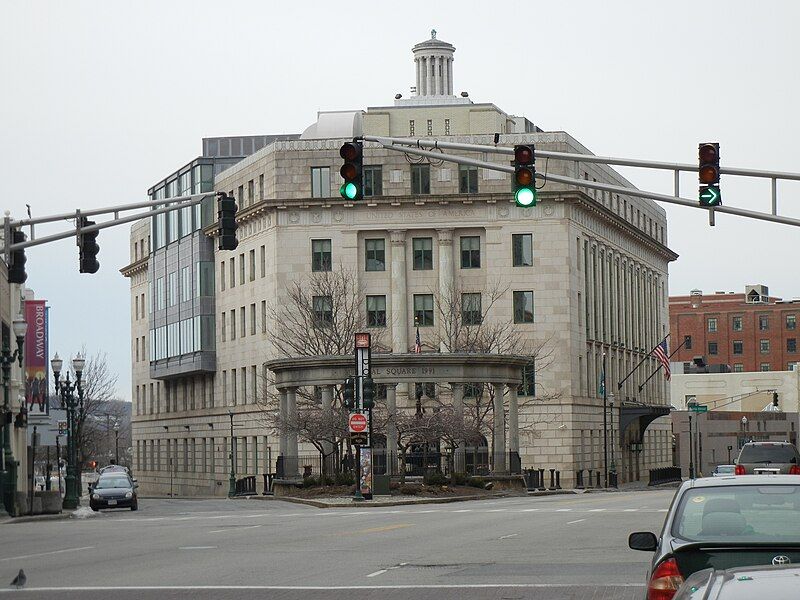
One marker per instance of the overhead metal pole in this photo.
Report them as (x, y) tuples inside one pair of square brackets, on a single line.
[(598, 186)]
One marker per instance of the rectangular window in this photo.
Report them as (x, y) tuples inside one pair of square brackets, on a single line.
[(687, 342), (712, 348), (323, 309), (430, 126), (420, 179), (737, 323), (423, 310), (223, 330), (252, 265), (763, 322), (712, 324), (263, 261), (791, 322), (263, 316), (528, 385), (764, 346), (423, 253), (791, 344), (376, 311), (447, 126), (765, 366), (233, 324), (251, 193), (738, 368), (222, 276), (172, 289), (320, 182), (321, 255), (375, 255), (243, 321), (186, 284), (523, 307), (253, 319), (261, 187), (411, 127), (471, 309), (522, 244), (232, 273), (373, 180), (738, 347), (241, 269), (470, 252), (467, 179), (233, 387)]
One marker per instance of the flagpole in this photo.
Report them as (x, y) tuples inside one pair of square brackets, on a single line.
[(659, 365), (605, 426), (632, 371)]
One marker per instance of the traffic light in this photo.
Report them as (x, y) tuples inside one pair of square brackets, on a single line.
[(88, 248), (226, 213), (525, 175), (16, 268), (708, 174), (351, 171), (349, 393), (775, 399), (368, 391)]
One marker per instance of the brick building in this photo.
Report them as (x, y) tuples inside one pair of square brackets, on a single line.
[(752, 331)]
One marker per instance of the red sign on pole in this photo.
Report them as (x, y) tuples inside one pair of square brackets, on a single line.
[(362, 340), (357, 423)]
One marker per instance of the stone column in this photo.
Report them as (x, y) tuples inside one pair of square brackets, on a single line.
[(327, 413), (417, 68), (391, 429), (513, 419), (399, 313), (428, 76), (282, 414), (445, 76), (439, 75), (459, 465), (499, 466), (291, 438), (450, 76), (446, 277)]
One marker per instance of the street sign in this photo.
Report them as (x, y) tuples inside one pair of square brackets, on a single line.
[(362, 340), (358, 423), (699, 408), (359, 439), (710, 196)]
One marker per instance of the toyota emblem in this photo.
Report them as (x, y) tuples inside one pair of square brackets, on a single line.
[(781, 560)]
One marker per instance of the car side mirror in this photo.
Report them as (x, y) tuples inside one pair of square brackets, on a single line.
[(643, 540)]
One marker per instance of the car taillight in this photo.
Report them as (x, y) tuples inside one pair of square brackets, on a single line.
[(665, 581), (794, 470), (739, 470)]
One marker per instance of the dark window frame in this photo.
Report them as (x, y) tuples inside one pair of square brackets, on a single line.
[(421, 256), (423, 317), (520, 315), (376, 317), (375, 256), (318, 256), (470, 257), (518, 249)]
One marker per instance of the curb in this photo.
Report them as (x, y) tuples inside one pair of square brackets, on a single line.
[(34, 518), (551, 492), (377, 504)]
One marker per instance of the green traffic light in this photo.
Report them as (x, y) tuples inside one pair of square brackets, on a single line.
[(710, 196), (525, 197), (349, 190)]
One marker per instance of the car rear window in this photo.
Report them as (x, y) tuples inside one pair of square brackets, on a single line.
[(768, 453), (726, 469), (739, 514)]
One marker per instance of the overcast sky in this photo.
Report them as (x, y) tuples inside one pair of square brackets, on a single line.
[(100, 100)]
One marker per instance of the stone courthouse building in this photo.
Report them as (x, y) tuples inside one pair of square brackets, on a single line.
[(582, 273)]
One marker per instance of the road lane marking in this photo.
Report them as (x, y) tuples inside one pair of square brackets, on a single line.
[(510, 535), (529, 509), (197, 547), (630, 510), (596, 509), (497, 510), (382, 529), (376, 573), (463, 510), (578, 521), (563, 509), (46, 553), (235, 528)]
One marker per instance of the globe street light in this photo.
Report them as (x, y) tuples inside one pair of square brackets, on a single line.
[(66, 390), (8, 473)]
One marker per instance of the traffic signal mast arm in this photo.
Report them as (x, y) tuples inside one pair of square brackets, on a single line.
[(404, 145)]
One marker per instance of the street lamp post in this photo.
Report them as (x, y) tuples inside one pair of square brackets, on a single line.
[(232, 481), (8, 473), (66, 389), (116, 443)]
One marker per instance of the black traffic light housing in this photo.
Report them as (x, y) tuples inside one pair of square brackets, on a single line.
[(352, 170), (708, 174), (226, 214), (88, 248), (525, 175), (349, 393), (775, 399), (16, 267), (368, 390)]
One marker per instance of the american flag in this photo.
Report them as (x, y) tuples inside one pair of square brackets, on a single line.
[(417, 343), (661, 354)]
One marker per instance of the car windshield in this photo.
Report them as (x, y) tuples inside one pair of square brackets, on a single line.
[(746, 513), (105, 483), (768, 453), (726, 469)]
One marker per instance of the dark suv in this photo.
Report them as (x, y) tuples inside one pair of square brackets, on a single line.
[(768, 458)]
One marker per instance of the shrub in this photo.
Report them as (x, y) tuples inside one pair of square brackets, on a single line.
[(344, 479), (410, 489), (435, 478)]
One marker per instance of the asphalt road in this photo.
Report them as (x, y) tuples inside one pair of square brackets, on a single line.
[(551, 547)]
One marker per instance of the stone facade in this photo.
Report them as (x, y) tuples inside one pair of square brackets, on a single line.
[(598, 279)]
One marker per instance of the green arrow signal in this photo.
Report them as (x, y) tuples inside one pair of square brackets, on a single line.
[(710, 196)]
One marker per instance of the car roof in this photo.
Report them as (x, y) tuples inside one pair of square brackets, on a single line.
[(769, 444), (740, 480)]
